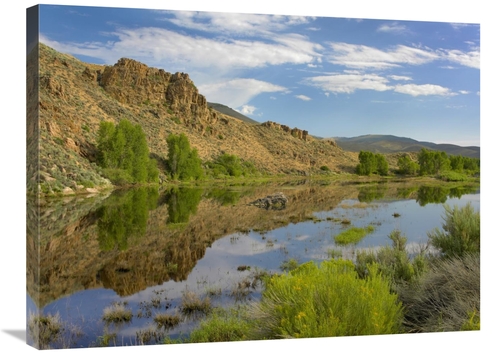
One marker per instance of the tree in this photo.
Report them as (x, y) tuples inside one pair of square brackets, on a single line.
[(407, 166), (183, 162), (372, 163), (124, 154)]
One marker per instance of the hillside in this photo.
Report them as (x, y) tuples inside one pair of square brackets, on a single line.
[(67, 100), (391, 144), (231, 112)]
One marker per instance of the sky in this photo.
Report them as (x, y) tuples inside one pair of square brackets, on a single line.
[(334, 77)]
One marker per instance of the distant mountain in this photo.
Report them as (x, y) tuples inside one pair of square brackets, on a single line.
[(391, 144), (231, 112)]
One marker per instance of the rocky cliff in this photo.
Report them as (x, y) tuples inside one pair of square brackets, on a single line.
[(74, 97)]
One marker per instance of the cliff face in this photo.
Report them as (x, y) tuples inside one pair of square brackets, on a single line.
[(75, 97), (295, 132)]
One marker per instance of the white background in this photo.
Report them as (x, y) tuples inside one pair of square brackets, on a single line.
[(12, 138)]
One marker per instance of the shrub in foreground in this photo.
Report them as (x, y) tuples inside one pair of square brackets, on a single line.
[(446, 298), (221, 326), (460, 234), (325, 301)]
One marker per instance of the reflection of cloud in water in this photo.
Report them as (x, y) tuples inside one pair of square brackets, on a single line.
[(302, 237)]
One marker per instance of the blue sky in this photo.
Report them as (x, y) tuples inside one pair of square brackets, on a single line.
[(330, 76)]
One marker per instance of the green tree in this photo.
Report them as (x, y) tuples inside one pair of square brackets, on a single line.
[(124, 154), (183, 162), (407, 166), (371, 163), (433, 162)]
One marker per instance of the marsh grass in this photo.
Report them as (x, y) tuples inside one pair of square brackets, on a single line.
[(49, 331), (44, 330), (117, 313), (353, 235), (192, 304), (167, 321)]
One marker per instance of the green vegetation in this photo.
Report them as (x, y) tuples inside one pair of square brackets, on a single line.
[(124, 216), (353, 235), (439, 163), (325, 301), (460, 234), (289, 264), (393, 261), (182, 203), (123, 154), (221, 326), (183, 162), (230, 165), (406, 166), (370, 163)]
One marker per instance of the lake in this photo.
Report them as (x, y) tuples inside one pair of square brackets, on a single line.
[(146, 249)]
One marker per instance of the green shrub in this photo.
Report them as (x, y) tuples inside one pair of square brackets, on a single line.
[(452, 176), (460, 234), (353, 235), (393, 261), (183, 162), (221, 326), (325, 301)]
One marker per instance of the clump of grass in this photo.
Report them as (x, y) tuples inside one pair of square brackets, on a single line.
[(165, 320), (242, 268), (394, 261), (325, 300), (289, 264), (221, 326), (334, 253), (353, 235), (44, 330), (446, 297), (345, 222), (192, 304), (149, 335), (117, 313)]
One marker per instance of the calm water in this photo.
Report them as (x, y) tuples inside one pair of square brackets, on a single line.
[(146, 248)]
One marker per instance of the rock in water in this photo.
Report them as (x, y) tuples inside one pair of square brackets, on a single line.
[(276, 201)]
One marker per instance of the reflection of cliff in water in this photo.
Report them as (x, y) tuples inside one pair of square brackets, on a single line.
[(90, 243), (140, 238)]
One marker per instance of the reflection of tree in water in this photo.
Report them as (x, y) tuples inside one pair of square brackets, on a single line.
[(371, 193), (182, 203), (124, 217), (435, 194)]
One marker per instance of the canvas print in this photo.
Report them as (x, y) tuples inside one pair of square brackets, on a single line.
[(197, 177)]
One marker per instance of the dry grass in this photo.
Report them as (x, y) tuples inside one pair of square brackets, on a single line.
[(165, 320), (445, 297), (192, 304), (117, 313)]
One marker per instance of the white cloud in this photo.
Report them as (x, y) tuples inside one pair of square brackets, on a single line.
[(393, 28), (400, 78), (303, 97), (423, 90), (167, 49), (234, 23), (348, 83), (464, 92), (247, 109), (237, 92), (364, 57), (470, 59)]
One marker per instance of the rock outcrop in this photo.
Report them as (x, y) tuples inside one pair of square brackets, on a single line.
[(132, 82), (276, 201), (295, 132)]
